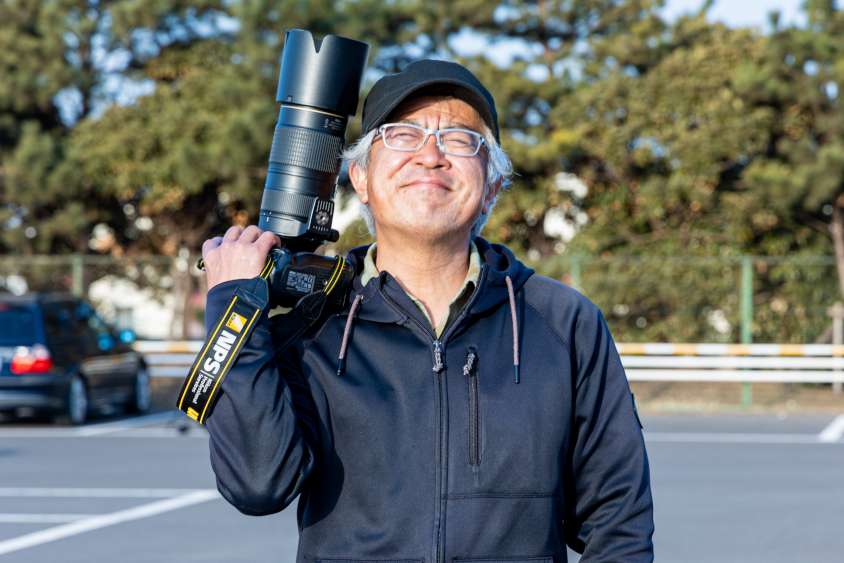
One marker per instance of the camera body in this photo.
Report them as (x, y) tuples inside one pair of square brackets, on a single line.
[(319, 88), (296, 275)]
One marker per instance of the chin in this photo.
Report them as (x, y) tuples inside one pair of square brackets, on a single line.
[(432, 230)]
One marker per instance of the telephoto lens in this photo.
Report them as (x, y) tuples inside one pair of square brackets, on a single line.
[(318, 88)]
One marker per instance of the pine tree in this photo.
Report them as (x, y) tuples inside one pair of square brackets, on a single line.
[(57, 60), (727, 146)]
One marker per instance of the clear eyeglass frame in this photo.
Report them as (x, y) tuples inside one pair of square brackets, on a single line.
[(436, 133)]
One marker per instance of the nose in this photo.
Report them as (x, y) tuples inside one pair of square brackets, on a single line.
[(430, 153)]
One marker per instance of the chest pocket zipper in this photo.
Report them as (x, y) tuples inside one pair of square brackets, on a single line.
[(470, 370)]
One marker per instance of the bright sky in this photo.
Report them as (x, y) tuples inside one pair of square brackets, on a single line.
[(740, 13), (733, 13)]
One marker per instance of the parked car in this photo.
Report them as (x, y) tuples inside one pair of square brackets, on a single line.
[(57, 356)]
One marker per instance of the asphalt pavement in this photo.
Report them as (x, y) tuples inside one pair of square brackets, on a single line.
[(740, 488)]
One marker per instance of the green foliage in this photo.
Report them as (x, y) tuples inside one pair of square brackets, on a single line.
[(728, 145), (64, 50), (630, 138)]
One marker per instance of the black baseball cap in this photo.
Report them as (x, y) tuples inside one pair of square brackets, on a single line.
[(428, 78)]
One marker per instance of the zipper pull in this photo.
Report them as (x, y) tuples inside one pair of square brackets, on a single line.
[(470, 360), (438, 356)]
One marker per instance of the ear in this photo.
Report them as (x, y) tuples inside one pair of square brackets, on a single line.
[(359, 179), (492, 192)]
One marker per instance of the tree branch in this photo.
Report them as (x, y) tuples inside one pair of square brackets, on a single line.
[(814, 223)]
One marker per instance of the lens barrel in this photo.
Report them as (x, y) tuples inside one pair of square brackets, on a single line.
[(319, 87)]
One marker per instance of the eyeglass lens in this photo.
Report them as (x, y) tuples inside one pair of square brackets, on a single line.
[(453, 141)]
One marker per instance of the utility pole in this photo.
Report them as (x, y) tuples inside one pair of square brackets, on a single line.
[(76, 275), (746, 319), (837, 314)]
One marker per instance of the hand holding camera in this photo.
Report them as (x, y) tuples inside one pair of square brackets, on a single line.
[(239, 254)]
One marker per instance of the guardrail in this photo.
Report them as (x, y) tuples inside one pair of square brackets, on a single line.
[(745, 363), (168, 359), (795, 363)]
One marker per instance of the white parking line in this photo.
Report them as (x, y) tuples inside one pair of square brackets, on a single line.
[(68, 492), (103, 429), (729, 438), (834, 431), (41, 518), (97, 522), (117, 426)]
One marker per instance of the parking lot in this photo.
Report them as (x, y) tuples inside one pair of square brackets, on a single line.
[(736, 488)]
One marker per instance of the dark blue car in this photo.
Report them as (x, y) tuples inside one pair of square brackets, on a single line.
[(58, 357)]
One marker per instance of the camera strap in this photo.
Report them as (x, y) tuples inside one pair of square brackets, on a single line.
[(223, 344), (287, 328)]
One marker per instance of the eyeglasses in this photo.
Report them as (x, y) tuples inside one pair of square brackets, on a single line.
[(405, 137)]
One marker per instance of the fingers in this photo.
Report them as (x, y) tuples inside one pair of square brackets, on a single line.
[(251, 234), (239, 254), (211, 243), (238, 235), (232, 234), (266, 241)]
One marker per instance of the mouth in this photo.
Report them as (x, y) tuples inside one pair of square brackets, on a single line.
[(428, 182)]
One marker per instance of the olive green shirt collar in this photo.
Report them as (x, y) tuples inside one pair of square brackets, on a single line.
[(463, 294)]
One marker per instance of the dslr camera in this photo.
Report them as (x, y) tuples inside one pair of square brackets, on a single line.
[(319, 88)]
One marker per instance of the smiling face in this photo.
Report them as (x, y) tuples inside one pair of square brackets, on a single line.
[(426, 194)]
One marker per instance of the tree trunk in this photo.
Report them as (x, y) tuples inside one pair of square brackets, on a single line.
[(837, 232), (180, 297)]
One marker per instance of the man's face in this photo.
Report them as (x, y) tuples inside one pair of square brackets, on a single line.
[(426, 194)]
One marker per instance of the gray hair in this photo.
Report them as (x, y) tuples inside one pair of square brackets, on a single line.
[(498, 168)]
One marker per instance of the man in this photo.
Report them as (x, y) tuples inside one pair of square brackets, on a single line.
[(461, 408)]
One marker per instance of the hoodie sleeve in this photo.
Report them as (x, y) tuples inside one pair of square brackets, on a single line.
[(261, 451), (609, 511)]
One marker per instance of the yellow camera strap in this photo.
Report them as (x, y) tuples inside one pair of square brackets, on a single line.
[(231, 331), (287, 328)]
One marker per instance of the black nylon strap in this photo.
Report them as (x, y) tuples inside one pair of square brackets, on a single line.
[(223, 344), (307, 312), (288, 327), (221, 348)]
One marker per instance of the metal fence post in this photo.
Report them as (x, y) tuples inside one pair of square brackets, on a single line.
[(837, 314), (746, 319), (575, 272), (76, 274)]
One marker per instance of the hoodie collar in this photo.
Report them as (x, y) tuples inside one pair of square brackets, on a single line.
[(499, 263), (491, 292)]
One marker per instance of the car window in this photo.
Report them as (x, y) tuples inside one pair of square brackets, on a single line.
[(91, 321), (17, 325), (59, 322), (93, 327)]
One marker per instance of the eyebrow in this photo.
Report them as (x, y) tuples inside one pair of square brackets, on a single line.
[(450, 125)]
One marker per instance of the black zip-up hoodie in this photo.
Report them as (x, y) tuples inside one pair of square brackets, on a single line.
[(427, 449)]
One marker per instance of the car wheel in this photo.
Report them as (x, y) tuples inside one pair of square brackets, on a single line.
[(142, 395), (76, 403)]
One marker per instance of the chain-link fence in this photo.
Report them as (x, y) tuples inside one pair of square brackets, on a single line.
[(644, 299), (726, 299), (157, 297)]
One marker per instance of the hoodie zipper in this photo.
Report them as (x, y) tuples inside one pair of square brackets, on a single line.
[(438, 356), (438, 368), (470, 370)]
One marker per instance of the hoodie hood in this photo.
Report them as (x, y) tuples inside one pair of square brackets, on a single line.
[(498, 263)]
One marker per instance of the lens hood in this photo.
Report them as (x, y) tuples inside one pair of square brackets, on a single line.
[(322, 73)]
